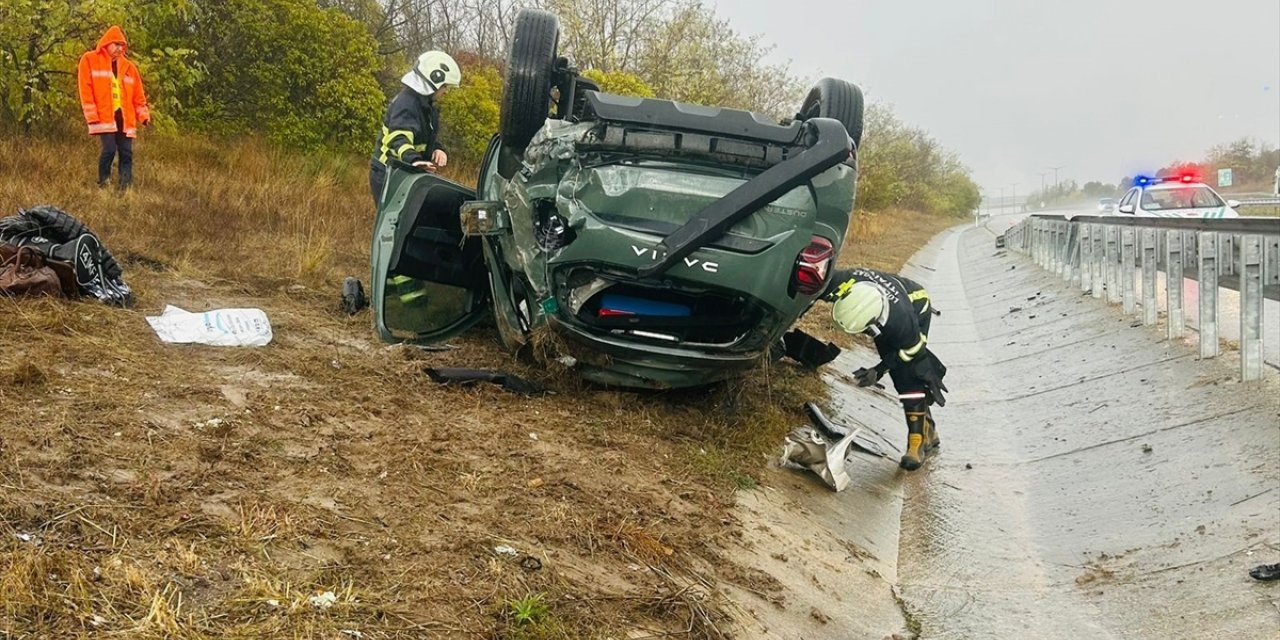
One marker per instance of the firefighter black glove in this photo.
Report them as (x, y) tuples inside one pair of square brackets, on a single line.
[(927, 368), (867, 377)]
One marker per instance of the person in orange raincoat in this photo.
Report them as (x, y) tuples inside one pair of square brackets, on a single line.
[(114, 103)]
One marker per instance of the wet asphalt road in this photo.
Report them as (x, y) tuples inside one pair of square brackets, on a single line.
[(1096, 480)]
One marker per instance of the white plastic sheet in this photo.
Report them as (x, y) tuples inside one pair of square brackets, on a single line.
[(219, 327)]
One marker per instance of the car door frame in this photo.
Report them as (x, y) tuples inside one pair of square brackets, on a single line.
[(404, 202)]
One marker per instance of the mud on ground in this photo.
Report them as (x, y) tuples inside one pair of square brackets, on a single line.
[(323, 486)]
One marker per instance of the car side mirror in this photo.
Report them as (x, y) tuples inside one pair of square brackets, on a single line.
[(1126, 208), (1233, 203)]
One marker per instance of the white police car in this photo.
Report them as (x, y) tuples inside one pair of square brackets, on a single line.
[(1175, 197)]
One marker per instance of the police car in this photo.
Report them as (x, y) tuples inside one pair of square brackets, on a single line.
[(1174, 197)]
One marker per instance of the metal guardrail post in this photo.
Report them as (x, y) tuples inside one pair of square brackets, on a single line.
[(1071, 269), (1055, 249), (1099, 256), (1033, 234), (1207, 243), (1046, 247), (1173, 284), (1127, 286), (1086, 256), (1077, 254), (1250, 308), (1225, 254), (1042, 239), (1149, 311), (1271, 262), (1113, 278)]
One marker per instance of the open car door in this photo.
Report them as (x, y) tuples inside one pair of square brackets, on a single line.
[(428, 282)]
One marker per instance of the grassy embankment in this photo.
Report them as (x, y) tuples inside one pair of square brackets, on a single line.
[(186, 492)]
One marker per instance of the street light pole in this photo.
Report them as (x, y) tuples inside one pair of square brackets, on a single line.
[(1043, 195), (1055, 175)]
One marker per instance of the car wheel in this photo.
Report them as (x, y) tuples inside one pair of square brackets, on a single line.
[(836, 99), (526, 98)]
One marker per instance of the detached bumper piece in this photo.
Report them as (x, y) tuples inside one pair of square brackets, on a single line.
[(508, 381)]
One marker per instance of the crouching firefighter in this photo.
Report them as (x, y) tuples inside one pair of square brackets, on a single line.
[(411, 127), (895, 311)]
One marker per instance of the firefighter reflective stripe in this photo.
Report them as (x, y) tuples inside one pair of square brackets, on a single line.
[(389, 136), (919, 294), (907, 354), (843, 289), (925, 308), (101, 73), (102, 127)]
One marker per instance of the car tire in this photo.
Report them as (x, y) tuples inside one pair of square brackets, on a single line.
[(526, 97), (836, 99), (61, 227)]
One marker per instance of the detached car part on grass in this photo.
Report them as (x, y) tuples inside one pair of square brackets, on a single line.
[(659, 244)]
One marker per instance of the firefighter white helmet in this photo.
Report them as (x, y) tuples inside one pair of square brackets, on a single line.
[(433, 69), (863, 306)]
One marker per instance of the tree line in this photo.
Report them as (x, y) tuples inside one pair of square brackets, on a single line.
[(313, 74)]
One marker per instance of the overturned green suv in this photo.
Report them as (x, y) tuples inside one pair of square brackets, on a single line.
[(661, 244)]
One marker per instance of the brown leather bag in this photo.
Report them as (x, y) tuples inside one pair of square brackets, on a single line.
[(24, 271)]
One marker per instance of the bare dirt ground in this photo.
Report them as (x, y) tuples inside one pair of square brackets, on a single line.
[(322, 486)]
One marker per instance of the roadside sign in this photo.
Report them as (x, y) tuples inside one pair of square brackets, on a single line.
[(1224, 177)]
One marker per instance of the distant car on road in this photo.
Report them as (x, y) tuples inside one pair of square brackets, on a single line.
[(1106, 205), (1174, 197)]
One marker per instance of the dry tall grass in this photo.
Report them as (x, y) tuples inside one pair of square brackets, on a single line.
[(154, 491)]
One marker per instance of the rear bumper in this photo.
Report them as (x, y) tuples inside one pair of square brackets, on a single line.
[(623, 362)]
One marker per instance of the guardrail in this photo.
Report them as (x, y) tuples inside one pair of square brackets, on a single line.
[(1258, 201), (1092, 252)]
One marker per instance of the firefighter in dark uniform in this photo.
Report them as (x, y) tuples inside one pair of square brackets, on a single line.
[(895, 311), (410, 130)]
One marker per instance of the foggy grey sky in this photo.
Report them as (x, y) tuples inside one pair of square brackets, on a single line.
[(1105, 88)]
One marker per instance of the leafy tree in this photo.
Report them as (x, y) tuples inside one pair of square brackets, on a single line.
[(697, 58), (469, 113), (619, 82), (40, 43), (302, 74), (902, 166)]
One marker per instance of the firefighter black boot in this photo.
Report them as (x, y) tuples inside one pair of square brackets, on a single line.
[(931, 440), (916, 450)]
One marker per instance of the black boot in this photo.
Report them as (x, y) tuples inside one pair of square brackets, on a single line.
[(916, 449), (931, 440)]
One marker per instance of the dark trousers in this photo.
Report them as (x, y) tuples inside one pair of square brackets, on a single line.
[(377, 180), (114, 144), (905, 381)]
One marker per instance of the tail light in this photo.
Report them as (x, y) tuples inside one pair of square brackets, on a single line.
[(813, 263)]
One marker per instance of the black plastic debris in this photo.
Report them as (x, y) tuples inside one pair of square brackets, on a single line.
[(353, 297), (808, 350), (1265, 572), (61, 237), (508, 381)]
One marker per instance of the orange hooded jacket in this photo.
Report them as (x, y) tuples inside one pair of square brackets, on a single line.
[(95, 88)]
